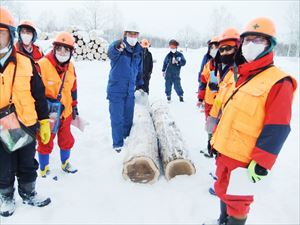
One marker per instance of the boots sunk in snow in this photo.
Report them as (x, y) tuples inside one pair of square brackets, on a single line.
[(7, 202), (234, 221), (30, 196)]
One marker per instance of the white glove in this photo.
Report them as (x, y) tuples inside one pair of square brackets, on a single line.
[(210, 124)]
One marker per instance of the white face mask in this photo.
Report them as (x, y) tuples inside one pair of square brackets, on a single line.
[(132, 40), (251, 51), (213, 52), (62, 59), (173, 50), (26, 38)]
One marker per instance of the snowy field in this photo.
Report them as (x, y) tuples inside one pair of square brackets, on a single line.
[(98, 194)]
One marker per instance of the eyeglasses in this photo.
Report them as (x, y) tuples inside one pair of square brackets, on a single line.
[(226, 48), (60, 48), (255, 40)]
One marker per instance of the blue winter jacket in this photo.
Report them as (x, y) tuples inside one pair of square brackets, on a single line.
[(173, 69), (125, 67)]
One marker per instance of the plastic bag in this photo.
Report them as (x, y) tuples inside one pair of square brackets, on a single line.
[(55, 109), (13, 134)]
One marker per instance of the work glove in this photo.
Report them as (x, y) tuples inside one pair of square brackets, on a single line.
[(45, 131), (74, 112), (256, 172), (174, 61), (120, 46), (200, 105), (164, 74), (210, 124)]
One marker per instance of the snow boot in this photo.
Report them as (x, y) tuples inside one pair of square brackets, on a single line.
[(181, 98), (169, 98), (68, 168), (44, 173), (7, 202), (30, 196), (118, 149), (223, 215), (234, 221)]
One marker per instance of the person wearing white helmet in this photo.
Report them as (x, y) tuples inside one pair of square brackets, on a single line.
[(125, 74)]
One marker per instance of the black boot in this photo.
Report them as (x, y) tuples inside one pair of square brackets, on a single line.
[(223, 216), (234, 221), (7, 202), (169, 98), (30, 197), (209, 152), (181, 98)]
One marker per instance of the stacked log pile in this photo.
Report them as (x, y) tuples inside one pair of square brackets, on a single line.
[(89, 45)]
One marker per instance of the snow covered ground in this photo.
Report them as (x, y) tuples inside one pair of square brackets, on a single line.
[(98, 194)]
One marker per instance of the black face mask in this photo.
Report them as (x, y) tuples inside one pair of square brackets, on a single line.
[(227, 59)]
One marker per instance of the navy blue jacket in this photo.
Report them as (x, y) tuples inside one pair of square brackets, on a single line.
[(173, 69), (125, 67)]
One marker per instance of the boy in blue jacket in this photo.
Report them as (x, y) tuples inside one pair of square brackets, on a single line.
[(171, 70)]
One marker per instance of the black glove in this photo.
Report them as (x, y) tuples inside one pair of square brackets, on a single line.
[(74, 112), (213, 86), (120, 45)]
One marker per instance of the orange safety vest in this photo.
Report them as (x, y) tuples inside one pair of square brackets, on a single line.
[(209, 95), (223, 87), (242, 118), (21, 91), (52, 82)]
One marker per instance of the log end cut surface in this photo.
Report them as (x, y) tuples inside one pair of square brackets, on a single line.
[(141, 170), (179, 167)]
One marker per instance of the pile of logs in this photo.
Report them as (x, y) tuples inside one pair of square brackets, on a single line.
[(89, 45)]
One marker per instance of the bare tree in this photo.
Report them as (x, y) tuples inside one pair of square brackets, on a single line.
[(293, 25), (220, 19)]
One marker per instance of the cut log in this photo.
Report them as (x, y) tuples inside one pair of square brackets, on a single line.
[(172, 147), (141, 164), (103, 56), (80, 42), (100, 49)]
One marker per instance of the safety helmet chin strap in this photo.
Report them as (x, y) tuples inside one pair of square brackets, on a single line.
[(269, 49)]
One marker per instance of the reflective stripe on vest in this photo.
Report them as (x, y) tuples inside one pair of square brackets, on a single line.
[(52, 82), (242, 119), (21, 95)]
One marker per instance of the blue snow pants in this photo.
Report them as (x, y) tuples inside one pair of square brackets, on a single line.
[(169, 81), (121, 109)]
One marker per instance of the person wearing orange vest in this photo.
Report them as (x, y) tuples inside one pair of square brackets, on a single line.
[(27, 35), (58, 73), (255, 117), (208, 66), (20, 87), (228, 44)]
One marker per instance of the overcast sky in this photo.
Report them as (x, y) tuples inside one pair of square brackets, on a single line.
[(165, 18)]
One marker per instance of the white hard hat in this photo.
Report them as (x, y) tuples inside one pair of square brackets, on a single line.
[(131, 28)]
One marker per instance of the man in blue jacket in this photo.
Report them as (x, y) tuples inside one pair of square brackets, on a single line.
[(171, 70), (126, 67)]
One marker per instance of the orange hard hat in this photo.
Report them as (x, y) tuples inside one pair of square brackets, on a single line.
[(214, 39), (7, 23), (28, 24), (6, 18), (261, 26), (229, 34), (145, 43), (64, 38)]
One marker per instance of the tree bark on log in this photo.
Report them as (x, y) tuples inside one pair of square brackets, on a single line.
[(141, 164), (172, 148)]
